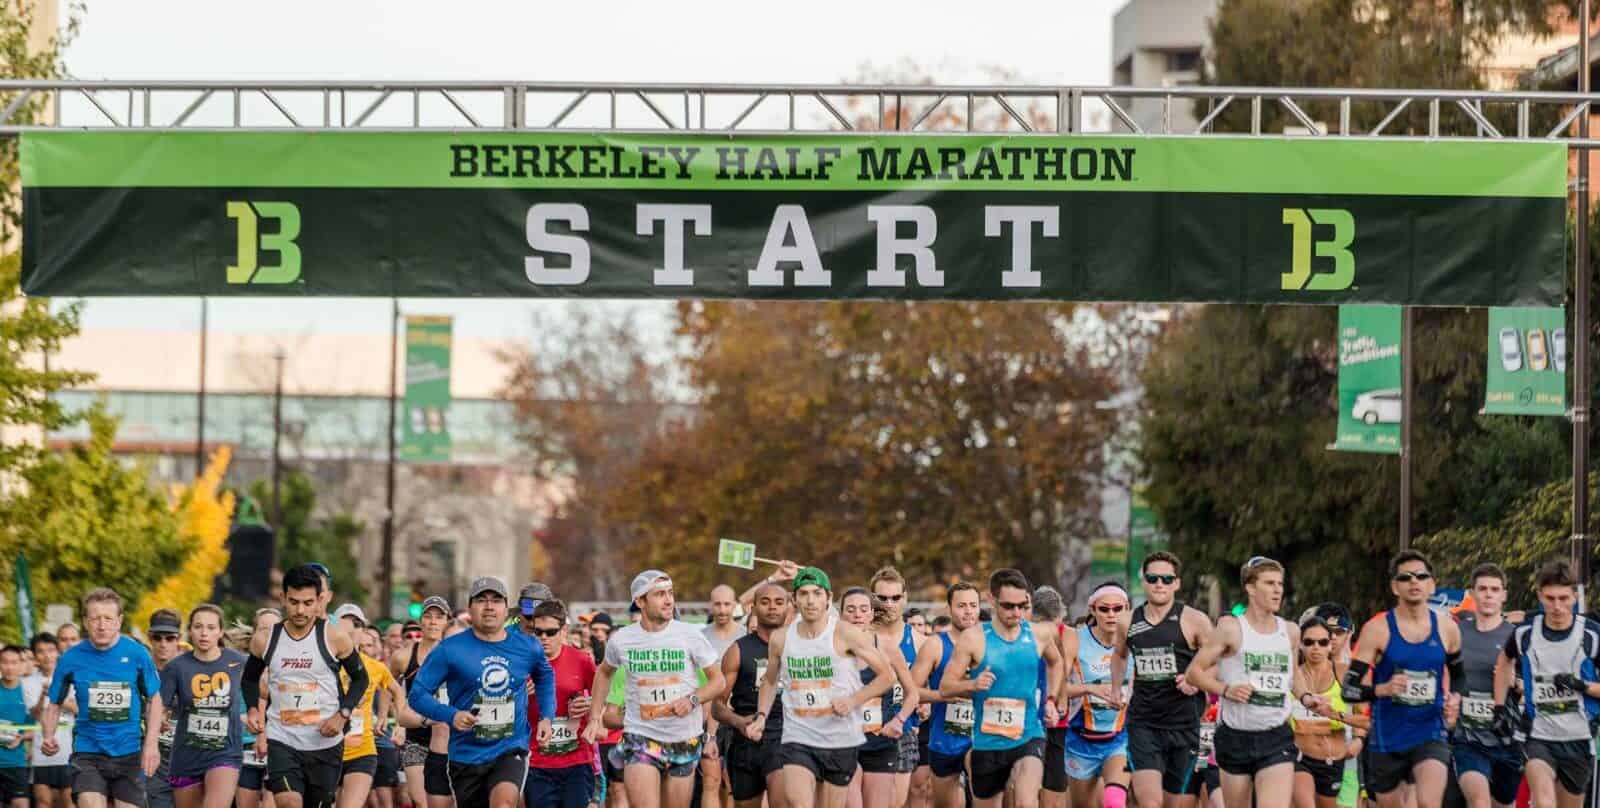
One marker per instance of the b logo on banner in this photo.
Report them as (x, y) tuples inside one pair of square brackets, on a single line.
[(1299, 277), (247, 268)]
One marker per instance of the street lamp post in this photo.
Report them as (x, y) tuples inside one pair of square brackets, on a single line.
[(278, 356)]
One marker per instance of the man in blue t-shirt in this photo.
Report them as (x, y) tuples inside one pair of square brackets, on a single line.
[(15, 735), (485, 672), (111, 677)]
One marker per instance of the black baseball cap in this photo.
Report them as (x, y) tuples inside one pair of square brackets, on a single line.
[(164, 624), (1335, 616)]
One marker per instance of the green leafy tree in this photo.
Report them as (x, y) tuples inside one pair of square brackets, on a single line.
[(303, 538), (1241, 401), (88, 520)]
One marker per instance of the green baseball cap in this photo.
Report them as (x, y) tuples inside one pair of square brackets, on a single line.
[(811, 576)]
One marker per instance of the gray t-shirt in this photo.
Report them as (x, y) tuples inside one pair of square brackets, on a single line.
[(720, 644), (1479, 652), (205, 702)]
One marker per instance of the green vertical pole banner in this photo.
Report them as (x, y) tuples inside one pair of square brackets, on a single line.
[(24, 597), (426, 431), (1527, 373), (1369, 379), (1144, 537), (1108, 558)]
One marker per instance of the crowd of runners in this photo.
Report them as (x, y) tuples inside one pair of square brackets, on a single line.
[(801, 694)]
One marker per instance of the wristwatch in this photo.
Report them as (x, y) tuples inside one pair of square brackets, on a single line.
[(694, 699), (345, 711)]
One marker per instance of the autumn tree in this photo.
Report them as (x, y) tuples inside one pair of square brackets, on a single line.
[(1242, 400), (945, 438), (588, 395)]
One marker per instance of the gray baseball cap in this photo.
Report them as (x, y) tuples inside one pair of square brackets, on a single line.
[(436, 602), (350, 610), (487, 584)]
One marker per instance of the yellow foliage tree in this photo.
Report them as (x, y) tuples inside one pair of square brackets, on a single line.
[(204, 517)]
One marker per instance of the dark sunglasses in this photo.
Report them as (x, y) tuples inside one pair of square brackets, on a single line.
[(1407, 577), (1117, 609), (164, 637), (1010, 607), (1322, 643), (892, 598), (546, 632), (1160, 579)]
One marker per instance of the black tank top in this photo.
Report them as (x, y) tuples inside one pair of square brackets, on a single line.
[(744, 699), (419, 736), (1158, 654)]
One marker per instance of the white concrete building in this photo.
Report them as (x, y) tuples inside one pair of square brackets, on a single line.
[(1160, 43)]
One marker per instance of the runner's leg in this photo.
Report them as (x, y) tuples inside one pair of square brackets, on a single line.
[(644, 785), (800, 788), (1236, 790), (1275, 786), (1541, 784), (1429, 777), (354, 790), (1027, 779), (221, 783)]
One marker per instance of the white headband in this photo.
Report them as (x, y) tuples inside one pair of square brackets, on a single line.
[(1107, 589)]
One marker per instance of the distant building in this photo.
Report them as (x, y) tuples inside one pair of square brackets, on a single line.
[(1160, 43), (473, 516)]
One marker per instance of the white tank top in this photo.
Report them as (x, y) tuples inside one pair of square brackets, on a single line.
[(303, 688), (1263, 661), (812, 675)]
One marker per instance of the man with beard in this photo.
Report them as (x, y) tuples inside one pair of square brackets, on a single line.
[(754, 767)]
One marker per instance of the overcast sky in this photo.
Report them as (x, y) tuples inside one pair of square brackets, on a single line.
[(816, 41)]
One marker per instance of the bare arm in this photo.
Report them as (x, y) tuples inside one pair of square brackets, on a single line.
[(908, 684), (921, 672), (722, 707), (1119, 647), (883, 674), (1218, 644), (956, 684), (1054, 671)]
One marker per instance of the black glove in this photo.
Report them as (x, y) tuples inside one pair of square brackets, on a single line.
[(1505, 722), (1567, 681)]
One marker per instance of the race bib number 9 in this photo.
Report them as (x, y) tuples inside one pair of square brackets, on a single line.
[(958, 718), (110, 701), (1155, 664), (809, 698), (1004, 717)]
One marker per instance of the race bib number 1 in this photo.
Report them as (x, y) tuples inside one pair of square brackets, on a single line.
[(497, 718), (1004, 717)]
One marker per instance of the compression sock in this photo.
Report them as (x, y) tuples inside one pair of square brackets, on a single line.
[(1116, 796)]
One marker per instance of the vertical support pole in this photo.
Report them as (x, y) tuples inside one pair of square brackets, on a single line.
[(386, 558), (1407, 402), (1581, 387), (277, 439), (200, 421)]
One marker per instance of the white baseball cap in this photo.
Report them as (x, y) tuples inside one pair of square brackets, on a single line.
[(649, 581)]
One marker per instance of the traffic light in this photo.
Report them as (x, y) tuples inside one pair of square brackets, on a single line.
[(415, 611)]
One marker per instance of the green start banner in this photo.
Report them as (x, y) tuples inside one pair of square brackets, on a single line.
[(1369, 379), (426, 433), (1108, 560), (812, 216), (1527, 373)]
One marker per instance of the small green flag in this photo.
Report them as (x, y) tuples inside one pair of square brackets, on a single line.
[(739, 554)]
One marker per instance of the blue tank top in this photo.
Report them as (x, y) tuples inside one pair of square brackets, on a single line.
[(1015, 665), (943, 740), (1094, 719), (885, 704), (908, 649), (1405, 721)]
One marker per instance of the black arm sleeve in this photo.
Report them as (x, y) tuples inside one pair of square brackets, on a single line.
[(357, 672), (1458, 672), (1353, 690), (251, 686)]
